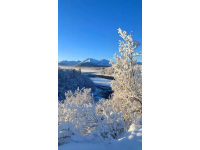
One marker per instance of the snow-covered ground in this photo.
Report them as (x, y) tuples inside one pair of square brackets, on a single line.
[(131, 140)]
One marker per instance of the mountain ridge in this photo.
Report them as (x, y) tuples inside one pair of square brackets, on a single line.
[(89, 62)]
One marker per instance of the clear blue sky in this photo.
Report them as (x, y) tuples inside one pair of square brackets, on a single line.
[(88, 28)]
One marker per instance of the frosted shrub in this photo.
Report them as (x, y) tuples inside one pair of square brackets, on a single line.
[(127, 83), (73, 114), (75, 109), (78, 114), (114, 121)]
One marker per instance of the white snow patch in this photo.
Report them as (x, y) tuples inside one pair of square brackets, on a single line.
[(132, 128), (130, 137)]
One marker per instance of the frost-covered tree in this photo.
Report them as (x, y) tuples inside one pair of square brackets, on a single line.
[(127, 83)]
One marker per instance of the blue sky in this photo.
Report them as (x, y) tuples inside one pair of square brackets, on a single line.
[(88, 28)]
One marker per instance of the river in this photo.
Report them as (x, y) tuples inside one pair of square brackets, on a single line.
[(102, 83)]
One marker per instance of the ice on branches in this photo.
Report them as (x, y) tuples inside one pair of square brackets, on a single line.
[(127, 86)]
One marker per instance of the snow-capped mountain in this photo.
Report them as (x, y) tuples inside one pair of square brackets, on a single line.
[(90, 62), (94, 63), (68, 63)]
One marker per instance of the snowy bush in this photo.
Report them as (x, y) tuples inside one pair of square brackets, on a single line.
[(78, 114), (72, 114), (114, 121), (127, 83), (71, 79)]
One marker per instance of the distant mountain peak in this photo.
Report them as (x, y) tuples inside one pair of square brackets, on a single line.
[(95, 63), (87, 62)]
